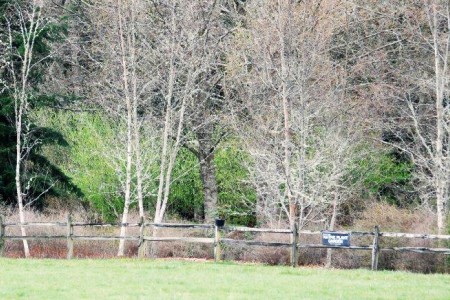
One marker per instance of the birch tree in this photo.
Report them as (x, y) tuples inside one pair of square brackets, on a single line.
[(439, 19), (28, 18), (125, 53), (430, 150), (123, 72), (191, 40), (168, 47), (406, 60)]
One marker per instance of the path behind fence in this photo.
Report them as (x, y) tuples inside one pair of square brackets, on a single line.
[(217, 241)]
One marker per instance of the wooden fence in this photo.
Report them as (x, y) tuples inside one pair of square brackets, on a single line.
[(217, 241)]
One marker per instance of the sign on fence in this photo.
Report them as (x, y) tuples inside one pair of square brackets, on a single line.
[(332, 238)]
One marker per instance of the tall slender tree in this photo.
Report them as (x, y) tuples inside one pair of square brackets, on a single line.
[(28, 31), (192, 38)]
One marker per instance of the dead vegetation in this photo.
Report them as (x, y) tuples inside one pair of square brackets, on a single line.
[(387, 217)]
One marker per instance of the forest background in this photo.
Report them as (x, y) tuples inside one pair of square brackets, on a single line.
[(320, 113)]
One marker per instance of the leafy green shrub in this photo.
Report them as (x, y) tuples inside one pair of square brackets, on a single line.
[(237, 197), (87, 160)]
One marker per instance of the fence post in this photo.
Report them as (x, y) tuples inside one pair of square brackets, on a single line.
[(294, 240), (2, 234), (142, 244), (69, 237), (375, 248), (217, 248)]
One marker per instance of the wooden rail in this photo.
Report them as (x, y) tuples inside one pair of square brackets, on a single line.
[(217, 241)]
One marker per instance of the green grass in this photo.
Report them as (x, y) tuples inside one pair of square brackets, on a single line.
[(161, 279)]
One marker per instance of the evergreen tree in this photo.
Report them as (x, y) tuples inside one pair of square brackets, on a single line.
[(39, 176)]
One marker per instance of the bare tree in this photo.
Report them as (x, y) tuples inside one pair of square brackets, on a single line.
[(191, 39), (122, 77), (172, 114), (296, 97), (129, 119), (28, 17), (404, 57), (439, 13)]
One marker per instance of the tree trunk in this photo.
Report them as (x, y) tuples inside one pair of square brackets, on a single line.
[(129, 154), (283, 24), (439, 170), (136, 127), (19, 189), (20, 111), (127, 188), (331, 227), (163, 172), (261, 209), (440, 206), (208, 173)]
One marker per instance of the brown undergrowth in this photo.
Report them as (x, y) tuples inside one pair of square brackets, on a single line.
[(387, 217)]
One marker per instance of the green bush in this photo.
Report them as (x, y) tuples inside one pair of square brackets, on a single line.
[(86, 159), (237, 198)]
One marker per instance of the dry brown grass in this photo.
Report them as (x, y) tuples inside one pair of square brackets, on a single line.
[(393, 219), (58, 248), (387, 217)]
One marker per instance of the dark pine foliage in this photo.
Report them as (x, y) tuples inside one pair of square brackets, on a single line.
[(39, 175)]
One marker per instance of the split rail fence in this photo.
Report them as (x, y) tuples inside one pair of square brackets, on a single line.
[(217, 241)]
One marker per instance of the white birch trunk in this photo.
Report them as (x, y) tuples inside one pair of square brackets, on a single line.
[(129, 154), (440, 171), (164, 150), (29, 32), (166, 167), (136, 127)]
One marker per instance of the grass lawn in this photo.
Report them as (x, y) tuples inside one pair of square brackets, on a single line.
[(163, 279)]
